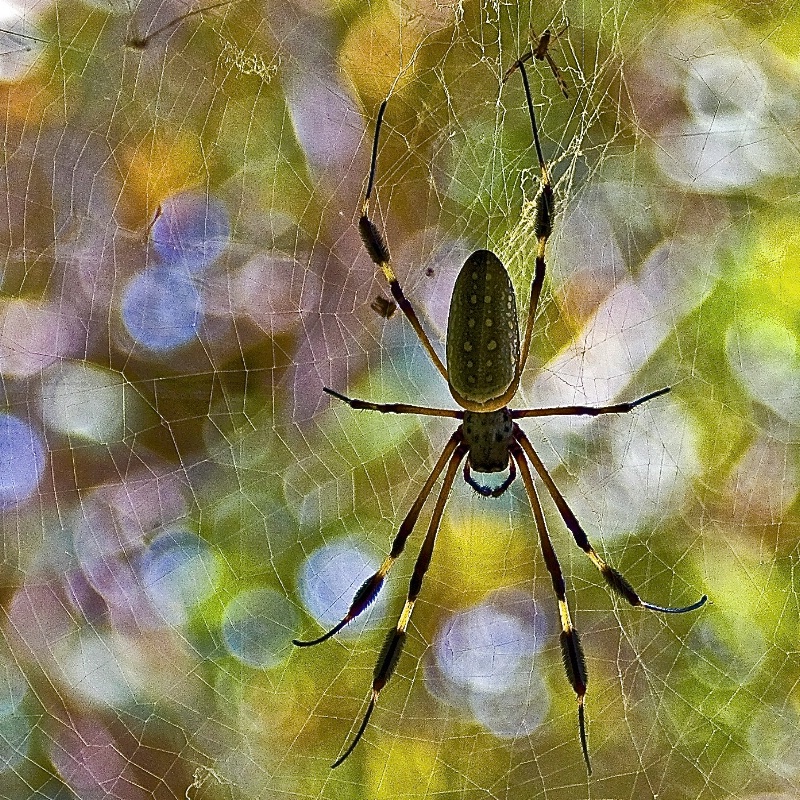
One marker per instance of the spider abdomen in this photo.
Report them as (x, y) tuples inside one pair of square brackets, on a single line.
[(482, 332), (488, 435)]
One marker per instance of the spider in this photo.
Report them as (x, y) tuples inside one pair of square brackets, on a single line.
[(484, 366), (540, 51)]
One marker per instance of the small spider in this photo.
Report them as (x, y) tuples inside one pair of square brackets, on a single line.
[(540, 51), (484, 366)]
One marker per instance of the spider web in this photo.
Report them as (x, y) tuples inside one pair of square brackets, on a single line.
[(179, 500)]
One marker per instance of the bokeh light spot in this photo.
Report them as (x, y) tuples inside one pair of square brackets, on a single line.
[(13, 686), (329, 579), (258, 626), (517, 711), (179, 570), (162, 308), (484, 660), (192, 231), (15, 733), (21, 460), (765, 356), (23, 42), (84, 400), (32, 336), (102, 667), (484, 648)]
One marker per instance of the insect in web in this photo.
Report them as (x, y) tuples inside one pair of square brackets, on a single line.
[(383, 307), (485, 361), (540, 50)]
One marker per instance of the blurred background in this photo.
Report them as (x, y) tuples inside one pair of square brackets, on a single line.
[(181, 275)]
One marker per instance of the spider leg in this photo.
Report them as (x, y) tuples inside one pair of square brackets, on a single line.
[(394, 408), (592, 411), (571, 649), (393, 645), (543, 225), (616, 581), (562, 30), (368, 591), (562, 84), (378, 250), (536, 290), (535, 41), (516, 65)]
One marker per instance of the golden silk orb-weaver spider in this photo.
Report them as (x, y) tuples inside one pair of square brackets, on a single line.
[(484, 365), (540, 50)]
